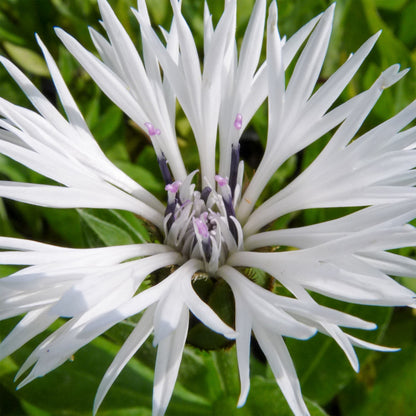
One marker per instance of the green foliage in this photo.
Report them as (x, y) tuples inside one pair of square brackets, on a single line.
[(208, 381)]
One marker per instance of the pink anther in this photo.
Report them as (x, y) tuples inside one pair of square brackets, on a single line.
[(238, 122), (173, 187), (201, 227), (151, 129), (220, 180)]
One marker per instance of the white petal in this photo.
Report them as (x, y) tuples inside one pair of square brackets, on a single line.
[(283, 369), (243, 327), (31, 325), (168, 359), (309, 64), (135, 340), (108, 81), (70, 107), (344, 342), (60, 197), (203, 312)]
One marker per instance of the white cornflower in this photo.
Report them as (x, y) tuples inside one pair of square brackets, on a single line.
[(217, 227)]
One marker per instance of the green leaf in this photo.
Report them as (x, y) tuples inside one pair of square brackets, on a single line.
[(264, 392), (136, 411), (226, 364), (391, 49), (9, 32), (33, 410), (104, 231), (66, 225), (9, 404), (394, 5), (5, 226), (199, 374), (407, 28), (385, 389), (111, 228), (13, 170), (142, 176), (108, 123), (6, 270), (29, 60)]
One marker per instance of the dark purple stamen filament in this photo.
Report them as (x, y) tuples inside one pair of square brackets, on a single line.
[(235, 160), (170, 209), (164, 168), (205, 193), (207, 247), (228, 203)]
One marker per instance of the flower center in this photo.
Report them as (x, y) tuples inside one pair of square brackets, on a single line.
[(202, 224)]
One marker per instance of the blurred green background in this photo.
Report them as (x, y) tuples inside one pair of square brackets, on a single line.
[(208, 381)]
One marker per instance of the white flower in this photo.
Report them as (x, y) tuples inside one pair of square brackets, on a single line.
[(217, 228)]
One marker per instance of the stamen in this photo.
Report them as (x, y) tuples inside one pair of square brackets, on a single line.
[(233, 228), (170, 210), (164, 168), (207, 247), (205, 193), (220, 180), (235, 160), (204, 216), (186, 203), (203, 230), (173, 187), (151, 129), (193, 227), (238, 122), (202, 227)]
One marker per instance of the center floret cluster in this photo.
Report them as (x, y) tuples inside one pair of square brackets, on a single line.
[(202, 224)]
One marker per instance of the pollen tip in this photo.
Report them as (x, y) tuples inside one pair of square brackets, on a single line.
[(238, 122), (201, 227), (173, 187), (151, 129), (221, 180)]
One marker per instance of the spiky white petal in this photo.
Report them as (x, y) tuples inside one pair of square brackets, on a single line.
[(215, 228)]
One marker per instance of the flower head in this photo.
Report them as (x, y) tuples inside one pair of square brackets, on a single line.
[(212, 221)]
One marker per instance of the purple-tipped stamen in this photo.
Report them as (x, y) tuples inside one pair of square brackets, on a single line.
[(221, 181), (225, 193), (238, 122), (173, 187), (152, 130), (173, 200), (202, 227), (228, 204)]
